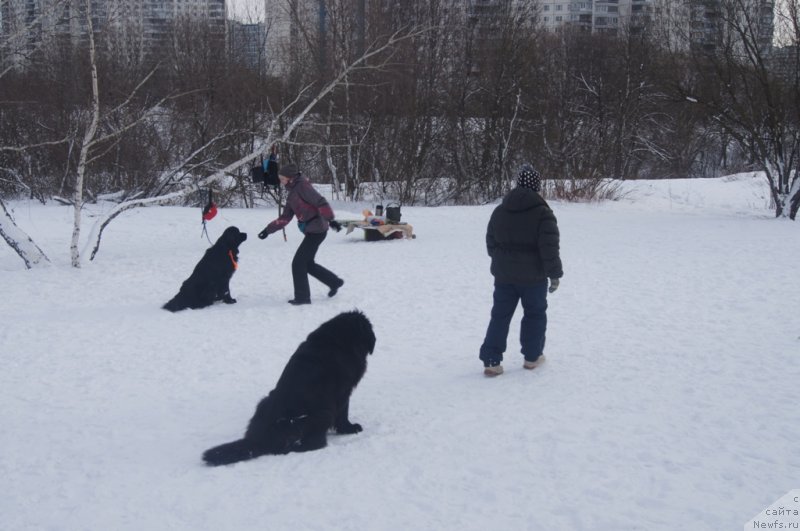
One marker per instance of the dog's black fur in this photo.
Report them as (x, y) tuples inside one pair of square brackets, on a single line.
[(311, 396), (210, 280)]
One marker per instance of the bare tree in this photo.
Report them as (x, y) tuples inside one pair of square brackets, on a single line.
[(755, 105), (21, 30), (571, 133), (787, 68), (503, 59), (88, 140), (275, 132), (96, 141)]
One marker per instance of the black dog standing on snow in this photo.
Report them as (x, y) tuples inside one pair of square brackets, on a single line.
[(311, 396), (210, 280)]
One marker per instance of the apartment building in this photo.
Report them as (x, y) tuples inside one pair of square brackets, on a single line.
[(247, 44), (596, 16), (280, 25), (704, 25), (31, 22), (698, 24), (710, 22)]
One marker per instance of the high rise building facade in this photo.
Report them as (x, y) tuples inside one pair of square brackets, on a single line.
[(681, 24), (596, 16), (33, 21), (246, 42), (700, 24), (704, 25)]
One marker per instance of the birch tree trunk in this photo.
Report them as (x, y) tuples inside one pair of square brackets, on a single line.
[(88, 137), (18, 240), (329, 156)]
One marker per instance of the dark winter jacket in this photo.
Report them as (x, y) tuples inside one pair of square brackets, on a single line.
[(522, 239), (312, 210)]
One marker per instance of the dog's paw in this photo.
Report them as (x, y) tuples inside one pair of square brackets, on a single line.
[(229, 300), (349, 428)]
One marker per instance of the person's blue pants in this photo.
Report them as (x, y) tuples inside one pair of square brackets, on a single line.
[(532, 328)]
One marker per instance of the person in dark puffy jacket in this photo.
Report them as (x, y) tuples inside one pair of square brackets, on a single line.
[(314, 216), (522, 240)]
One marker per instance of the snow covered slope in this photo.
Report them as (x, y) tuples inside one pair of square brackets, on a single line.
[(669, 400)]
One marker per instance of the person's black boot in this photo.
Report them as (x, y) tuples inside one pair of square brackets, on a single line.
[(335, 289)]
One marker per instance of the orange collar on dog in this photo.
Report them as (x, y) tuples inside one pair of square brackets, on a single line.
[(235, 265)]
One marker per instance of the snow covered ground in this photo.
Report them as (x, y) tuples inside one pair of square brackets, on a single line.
[(669, 401)]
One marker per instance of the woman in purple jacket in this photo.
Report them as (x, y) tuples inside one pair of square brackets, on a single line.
[(314, 216)]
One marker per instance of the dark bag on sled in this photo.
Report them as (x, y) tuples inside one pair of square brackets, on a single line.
[(393, 213)]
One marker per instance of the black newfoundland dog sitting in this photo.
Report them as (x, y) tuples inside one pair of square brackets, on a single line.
[(210, 280), (311, 396)]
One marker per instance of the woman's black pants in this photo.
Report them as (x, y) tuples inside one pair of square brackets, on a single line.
[(304, 265)]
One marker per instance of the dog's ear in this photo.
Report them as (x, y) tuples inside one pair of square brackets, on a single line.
[(372, 342), (366, 334)]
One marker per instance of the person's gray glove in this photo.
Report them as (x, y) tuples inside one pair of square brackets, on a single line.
[(554, 282)]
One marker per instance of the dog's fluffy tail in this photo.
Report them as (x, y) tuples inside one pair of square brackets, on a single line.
[(232, 452), (175, 304)]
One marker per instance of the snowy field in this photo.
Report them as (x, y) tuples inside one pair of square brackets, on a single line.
[(669, 400)]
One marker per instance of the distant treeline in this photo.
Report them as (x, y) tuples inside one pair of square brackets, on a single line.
[(465, 101)]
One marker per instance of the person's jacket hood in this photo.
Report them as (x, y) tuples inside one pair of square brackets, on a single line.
[(520, 199)]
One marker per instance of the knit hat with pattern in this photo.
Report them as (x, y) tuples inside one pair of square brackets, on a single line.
[(529, 178)]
